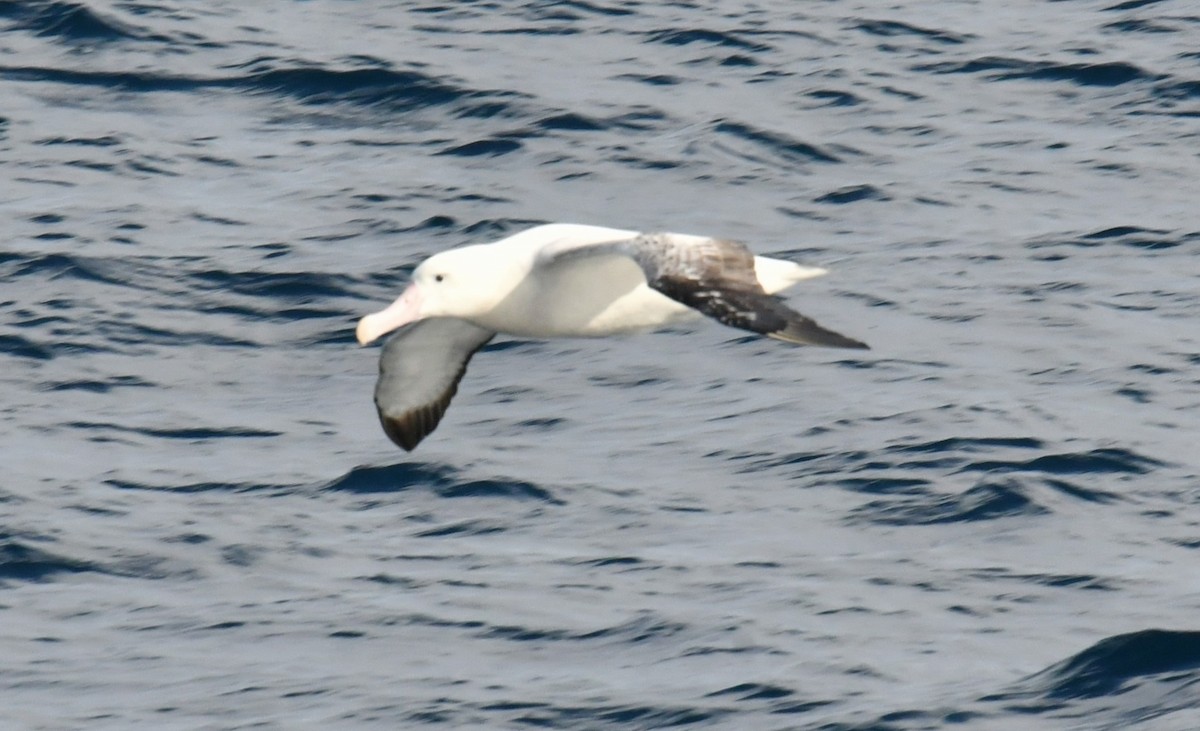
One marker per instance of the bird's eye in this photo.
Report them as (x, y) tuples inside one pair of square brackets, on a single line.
[(438, 277)]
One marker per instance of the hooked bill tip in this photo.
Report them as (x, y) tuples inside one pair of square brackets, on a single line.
[(406, 309), (364, 332)]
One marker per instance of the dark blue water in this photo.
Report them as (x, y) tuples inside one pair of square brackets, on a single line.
[(989, 521)]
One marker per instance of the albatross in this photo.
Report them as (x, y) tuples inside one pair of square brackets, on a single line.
[(567, 280)]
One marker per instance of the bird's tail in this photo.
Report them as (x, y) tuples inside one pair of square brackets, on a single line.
[(776, 275)]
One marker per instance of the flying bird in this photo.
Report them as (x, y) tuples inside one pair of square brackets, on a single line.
[(566, 280)]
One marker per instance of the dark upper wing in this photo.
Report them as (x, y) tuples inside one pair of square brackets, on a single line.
[(753, 310), (715, 277), (419, 371)]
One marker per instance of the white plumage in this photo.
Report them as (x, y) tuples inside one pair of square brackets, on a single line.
[(566, 280)]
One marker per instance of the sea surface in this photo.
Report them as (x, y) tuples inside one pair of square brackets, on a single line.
[(991, 520)]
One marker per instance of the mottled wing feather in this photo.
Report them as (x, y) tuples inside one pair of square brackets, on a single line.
[(717, 262), (712, 276), (419, 371), (717, 278), (757, 312)]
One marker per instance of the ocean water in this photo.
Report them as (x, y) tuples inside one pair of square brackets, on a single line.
[(991, 520)]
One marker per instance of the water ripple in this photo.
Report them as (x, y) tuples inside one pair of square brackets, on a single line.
[(443, 479), (692, 528), (997, 68), (1113, 666)]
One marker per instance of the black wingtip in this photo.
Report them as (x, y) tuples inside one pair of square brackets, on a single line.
[(803, 331), (407, 430), (401, 433)]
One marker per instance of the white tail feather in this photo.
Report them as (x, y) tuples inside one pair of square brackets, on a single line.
[(776, 275)]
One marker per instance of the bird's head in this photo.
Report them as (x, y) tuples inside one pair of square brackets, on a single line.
[(454, 283)]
